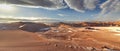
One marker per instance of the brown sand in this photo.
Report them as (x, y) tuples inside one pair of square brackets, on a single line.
[(17, 40), (79, 40)]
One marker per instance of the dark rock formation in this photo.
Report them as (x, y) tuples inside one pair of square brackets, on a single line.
[(34, 27)]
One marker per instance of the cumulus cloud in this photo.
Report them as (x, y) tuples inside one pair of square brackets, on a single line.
[(52, 4), (110, 10), (82, 5)]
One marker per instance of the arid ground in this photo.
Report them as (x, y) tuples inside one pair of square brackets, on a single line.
[(62, 38)]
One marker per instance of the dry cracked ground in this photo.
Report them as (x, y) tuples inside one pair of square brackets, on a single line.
[(63, 38)]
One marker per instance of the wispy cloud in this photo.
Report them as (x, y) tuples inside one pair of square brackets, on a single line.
[(47, 4), (82, 5), (62, 15), (23, 18), (9, 19), (110, 10), (78, 5)]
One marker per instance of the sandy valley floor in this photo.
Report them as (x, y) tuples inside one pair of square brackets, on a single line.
[(61, 39)]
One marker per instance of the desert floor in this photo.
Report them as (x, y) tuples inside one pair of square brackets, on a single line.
[(61, 39)]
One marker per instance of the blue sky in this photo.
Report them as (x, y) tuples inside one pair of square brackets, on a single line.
[(70, 12)]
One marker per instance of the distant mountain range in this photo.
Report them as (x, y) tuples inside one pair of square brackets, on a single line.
[(58, 22), (5, 20)]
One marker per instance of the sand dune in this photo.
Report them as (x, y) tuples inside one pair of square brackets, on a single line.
[(18, 40), (63, 38)]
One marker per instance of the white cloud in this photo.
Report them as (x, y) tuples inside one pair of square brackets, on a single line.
[(22, 18), (78, 5), (62, 15), (110, 6), (110, 10), (49, 4), (90, 4), (82, 5)]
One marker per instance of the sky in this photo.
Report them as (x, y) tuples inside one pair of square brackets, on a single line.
[(67, 10)]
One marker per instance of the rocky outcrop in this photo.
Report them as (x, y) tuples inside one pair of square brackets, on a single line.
[(34, 27)]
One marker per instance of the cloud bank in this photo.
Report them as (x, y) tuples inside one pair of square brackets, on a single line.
[(78, 5), (52, 4)]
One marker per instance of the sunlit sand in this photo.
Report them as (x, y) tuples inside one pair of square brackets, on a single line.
[(59, 38), (117, 34)]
